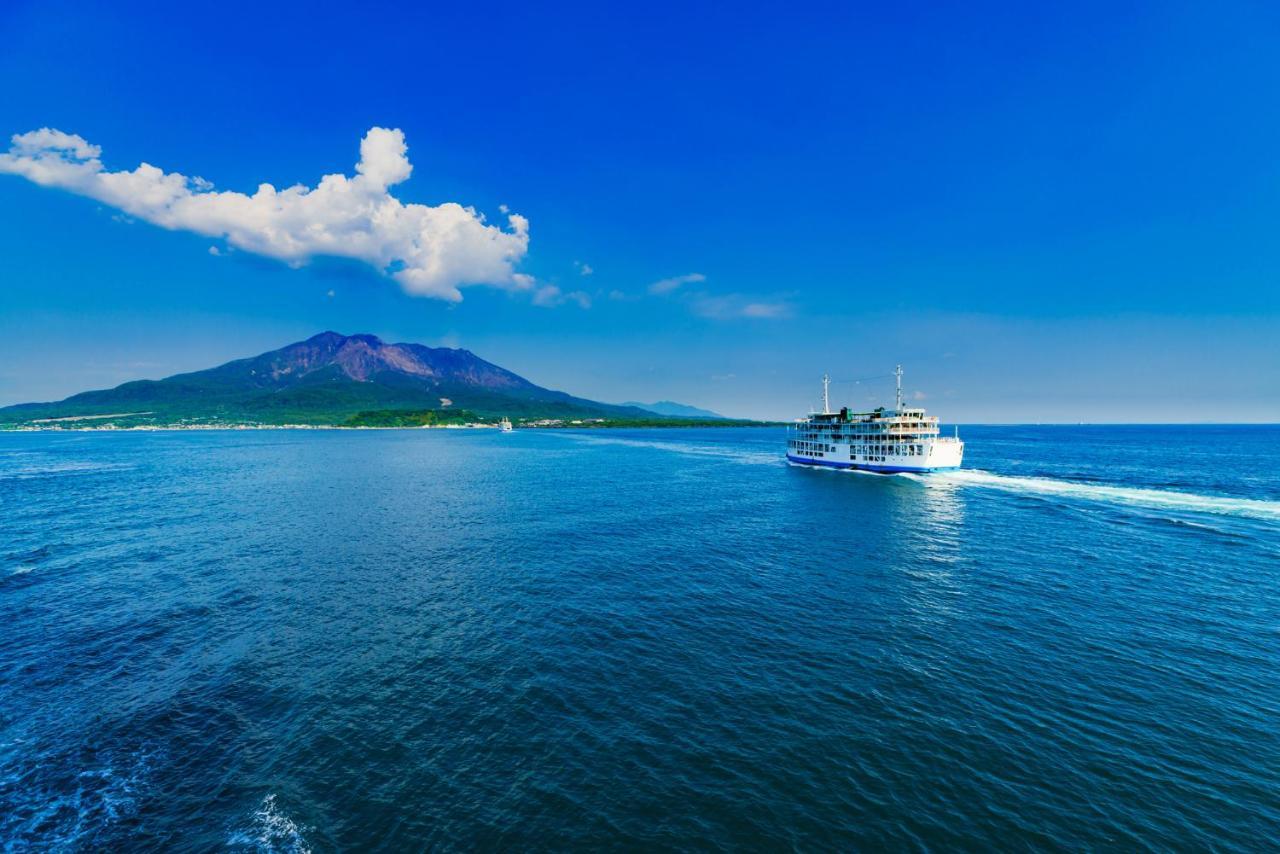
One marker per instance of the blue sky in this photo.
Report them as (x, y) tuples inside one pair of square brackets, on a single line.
[(1043, 214)]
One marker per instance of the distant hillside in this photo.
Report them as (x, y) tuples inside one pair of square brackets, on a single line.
[(327, 379), (676, 410)]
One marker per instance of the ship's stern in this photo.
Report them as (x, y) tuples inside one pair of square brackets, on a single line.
[(945, 453)]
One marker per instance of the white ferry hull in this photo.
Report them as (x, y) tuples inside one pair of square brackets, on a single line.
[(879, 468), (917, 454)]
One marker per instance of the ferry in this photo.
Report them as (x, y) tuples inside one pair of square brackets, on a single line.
[(505, 425), (898, 440)]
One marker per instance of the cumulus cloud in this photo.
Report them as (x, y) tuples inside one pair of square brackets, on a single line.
[(666, 286), (430, 250)]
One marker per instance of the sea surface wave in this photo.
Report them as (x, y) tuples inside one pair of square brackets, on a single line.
[(323, 640)]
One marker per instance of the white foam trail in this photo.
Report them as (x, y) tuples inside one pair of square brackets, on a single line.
[(67, 815), (272, 831), (55, 469), (1162, 499), (737, 455)]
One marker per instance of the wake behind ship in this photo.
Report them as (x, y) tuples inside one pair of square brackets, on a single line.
[(901, 440)]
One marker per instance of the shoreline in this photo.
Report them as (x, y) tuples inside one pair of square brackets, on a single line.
[(250, 427), (26, 428)]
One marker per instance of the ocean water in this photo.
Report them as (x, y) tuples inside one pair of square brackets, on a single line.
[(397, 640)]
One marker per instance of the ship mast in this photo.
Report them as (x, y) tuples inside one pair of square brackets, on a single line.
[(898, 374), (826, 401)]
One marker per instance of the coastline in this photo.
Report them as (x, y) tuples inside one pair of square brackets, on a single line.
[(242, 427)]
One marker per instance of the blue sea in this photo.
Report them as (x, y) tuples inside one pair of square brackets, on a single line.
[(548, 640)]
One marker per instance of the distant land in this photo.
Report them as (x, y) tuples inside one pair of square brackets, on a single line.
[(678, 410), (343, 381)]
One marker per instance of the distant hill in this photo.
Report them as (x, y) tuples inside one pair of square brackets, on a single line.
[(676, 410), (327, 379)]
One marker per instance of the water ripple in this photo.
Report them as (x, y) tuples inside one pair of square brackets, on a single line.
[(450, 640)]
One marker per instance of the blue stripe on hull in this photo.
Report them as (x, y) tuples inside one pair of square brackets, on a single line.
[(867, 466)]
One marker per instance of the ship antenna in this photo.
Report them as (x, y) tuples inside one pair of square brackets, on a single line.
[(826, 401), (898, 374)]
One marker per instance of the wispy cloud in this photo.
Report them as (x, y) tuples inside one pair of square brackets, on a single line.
[(729, 306), (766, 309), (666, 286), (548, 296), (716, 306), (430, 250), (583, 268)]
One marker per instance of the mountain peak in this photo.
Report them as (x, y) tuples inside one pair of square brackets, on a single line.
[(329, 337), (363, 357), (327, 379)]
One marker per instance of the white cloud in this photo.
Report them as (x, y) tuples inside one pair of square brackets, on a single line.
[(546, 295), (732, 306), (584, 269), (717, 307), (666, 286), (550, 295), (765, 309), (215, 252), (430, 250), (919, 395)]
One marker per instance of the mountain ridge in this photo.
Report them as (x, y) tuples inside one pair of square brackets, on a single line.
[(674, 409), (327, 379)]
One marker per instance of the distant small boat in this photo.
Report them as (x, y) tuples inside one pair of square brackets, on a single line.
[(901, 440), (505, 425)]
